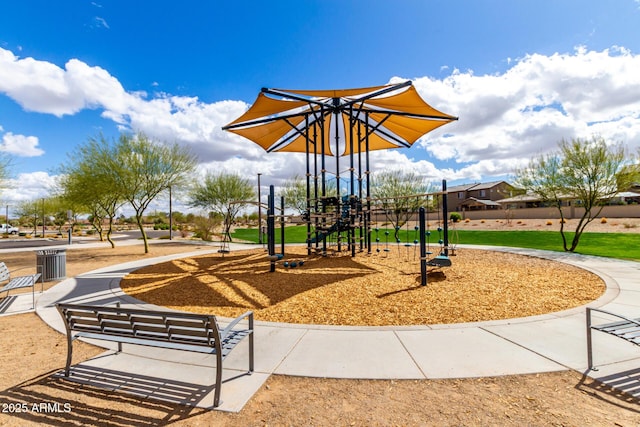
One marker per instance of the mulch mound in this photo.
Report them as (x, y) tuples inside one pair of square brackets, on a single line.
[(381, 289)]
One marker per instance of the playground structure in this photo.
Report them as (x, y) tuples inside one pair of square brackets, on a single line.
[(345, 123), (340, 225)]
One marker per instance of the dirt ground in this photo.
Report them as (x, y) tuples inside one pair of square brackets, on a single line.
[(31, 353)]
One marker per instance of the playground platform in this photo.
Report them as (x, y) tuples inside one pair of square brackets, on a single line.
[(546, 343)]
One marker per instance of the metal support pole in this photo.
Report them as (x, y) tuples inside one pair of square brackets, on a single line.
[(170, 217), (259, 213), (271, 243), (282, 225), (445, 217), (308, 194), (423, 246), (368, 183), (352, 200), (589, 342), (43, 224), (338, 192)]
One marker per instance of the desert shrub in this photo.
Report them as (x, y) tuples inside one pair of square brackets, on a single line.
[(455, 217)]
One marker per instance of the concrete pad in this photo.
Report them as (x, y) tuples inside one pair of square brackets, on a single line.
[(367, 354), (561, 340), (564, 341), (271, 346), (630, 297), (170, 381), (470, 352), (608, 349), (19, 303), (619, 307)]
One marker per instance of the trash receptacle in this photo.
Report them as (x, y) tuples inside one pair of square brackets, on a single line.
[(52, 263)]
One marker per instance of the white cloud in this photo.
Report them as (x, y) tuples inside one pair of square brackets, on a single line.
[(28, 187), (505, 118), (100, 22), (508, 118), (20, 145)]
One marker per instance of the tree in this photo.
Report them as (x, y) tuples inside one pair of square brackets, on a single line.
[(206, 225), (5, 168), (29, 213), (399, 194), (103, 175), (294, 191), (225, 194), (142, 169), (90, 186), (588, 171)]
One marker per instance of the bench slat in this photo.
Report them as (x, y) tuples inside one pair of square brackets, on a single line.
[(76, 322), (148, 343), (617, 325)]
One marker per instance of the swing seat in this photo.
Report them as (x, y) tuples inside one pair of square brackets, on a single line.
[(440, 261)]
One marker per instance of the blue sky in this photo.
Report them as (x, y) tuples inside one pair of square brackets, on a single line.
[(520, 76)]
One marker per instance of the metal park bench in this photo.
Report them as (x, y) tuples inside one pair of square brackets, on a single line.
[(165, 329), (28, 281), (625, 328)]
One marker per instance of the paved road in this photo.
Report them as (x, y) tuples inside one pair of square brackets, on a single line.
[(22, 243)]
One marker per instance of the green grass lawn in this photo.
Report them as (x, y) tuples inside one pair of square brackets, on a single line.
[(612, 245)]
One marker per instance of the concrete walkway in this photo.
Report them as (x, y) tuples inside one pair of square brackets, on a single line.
[(545, 343)]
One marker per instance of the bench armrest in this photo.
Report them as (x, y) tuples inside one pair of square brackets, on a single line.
[(234, 322)]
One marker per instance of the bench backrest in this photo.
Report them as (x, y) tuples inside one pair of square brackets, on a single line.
[(184, 328), (4, 272)]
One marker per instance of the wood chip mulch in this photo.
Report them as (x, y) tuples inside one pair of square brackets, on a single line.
[(368, 290)]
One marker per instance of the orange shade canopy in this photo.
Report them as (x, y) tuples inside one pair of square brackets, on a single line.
[(338, 121)]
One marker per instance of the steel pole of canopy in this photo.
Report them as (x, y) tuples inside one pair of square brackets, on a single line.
[(282, 225), (323, 167), (271, 241), (308, 204), (352, 190), (445, 218), (315, 179), (423, 246), (363, 219), (368, 181), (336, 113)]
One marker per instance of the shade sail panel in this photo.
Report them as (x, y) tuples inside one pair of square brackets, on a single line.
[(408, 102), (338, 93), (268, 109), (338, 122)]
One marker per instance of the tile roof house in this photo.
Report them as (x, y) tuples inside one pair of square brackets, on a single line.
[(479, 196)]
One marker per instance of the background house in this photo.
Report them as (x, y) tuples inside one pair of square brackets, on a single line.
[(480, 196)]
